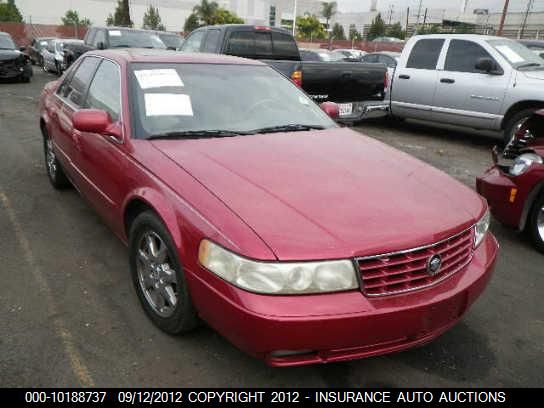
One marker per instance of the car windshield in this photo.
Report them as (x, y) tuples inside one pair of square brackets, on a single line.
[(517, 55), (171, 40), (210, 100), (6, 43), (134, 39)]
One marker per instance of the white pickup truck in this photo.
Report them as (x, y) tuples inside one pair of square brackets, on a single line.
[(476, 81)]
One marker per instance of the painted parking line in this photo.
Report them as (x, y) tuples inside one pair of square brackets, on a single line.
[(78, 366)]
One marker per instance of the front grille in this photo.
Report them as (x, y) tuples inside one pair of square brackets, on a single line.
[(406, 271)]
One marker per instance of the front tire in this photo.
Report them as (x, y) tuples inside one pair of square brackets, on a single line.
[(515, 122), (158, 276), (535, 226), (55, 173)]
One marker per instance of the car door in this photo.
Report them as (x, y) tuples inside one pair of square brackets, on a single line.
[(465, 95), (415, 80), (71, 97), (101, 158)]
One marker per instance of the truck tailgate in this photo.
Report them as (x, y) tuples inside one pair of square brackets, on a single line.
[(343, 81)]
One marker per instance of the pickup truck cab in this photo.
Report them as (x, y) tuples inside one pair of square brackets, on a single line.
[(102, 38), (359, 89), (477, 81)]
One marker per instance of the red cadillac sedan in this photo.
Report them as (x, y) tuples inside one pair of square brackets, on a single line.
[(244, 205)]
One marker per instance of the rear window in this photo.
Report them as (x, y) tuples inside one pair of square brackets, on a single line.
[(425, 54), (262, 44)]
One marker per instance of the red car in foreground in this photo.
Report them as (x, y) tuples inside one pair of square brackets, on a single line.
[(244, 205), (514, 186)]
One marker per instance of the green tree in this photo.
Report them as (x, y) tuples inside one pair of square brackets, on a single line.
[(396, 31), (377, 28), (191, 23), (354, 35), (328, 10), (71, 18), (10, 12), (309, 27), (338, 32), (428, 29), (206, 11), (121, 15), (223, 16), (152, 19)]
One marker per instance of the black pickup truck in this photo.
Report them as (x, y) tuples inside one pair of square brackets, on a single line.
[(357, 88), (100, 38)]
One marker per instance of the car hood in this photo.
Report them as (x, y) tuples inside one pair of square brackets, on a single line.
[(7, 55), (535, 74), (328, 194)]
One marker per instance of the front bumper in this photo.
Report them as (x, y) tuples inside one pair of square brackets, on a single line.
[(12, 69), (297, 330), (506, 195)]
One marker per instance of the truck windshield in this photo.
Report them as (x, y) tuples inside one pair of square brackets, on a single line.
[(134, 39), (215, 100), (517, 55), (6, 43)]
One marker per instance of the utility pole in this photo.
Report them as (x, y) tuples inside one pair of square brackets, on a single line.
[(524, 23), (418, 12), (391, 6), (504, 11), (295, 19), (425, 18), (407, 17)]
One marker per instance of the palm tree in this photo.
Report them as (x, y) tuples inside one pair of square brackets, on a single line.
[(206, 11), (328, 10)]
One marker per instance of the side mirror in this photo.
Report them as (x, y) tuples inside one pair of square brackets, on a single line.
[(91, 120), (487, 65), (22, 49), (331, 109)]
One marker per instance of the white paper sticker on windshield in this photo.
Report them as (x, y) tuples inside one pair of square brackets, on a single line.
[(168, 105), (157, 78), (43, 42), (114, 33), (509, 53)]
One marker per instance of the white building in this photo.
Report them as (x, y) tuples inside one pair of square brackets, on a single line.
[(173, 12)]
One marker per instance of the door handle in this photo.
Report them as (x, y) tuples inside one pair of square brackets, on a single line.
[(447, 80), (404, 76)]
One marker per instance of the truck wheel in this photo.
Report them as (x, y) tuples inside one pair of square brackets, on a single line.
[(158, 276), (515, 122), (535, 226)]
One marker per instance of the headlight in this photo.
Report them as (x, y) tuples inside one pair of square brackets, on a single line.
[(277, 277), (481, 228), (523, 162)]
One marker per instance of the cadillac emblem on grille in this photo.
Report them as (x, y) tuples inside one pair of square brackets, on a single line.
[(433, 265)]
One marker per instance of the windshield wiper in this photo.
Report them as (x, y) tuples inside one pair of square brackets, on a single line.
[(529, 64), (121, 46), (196, 134), (287, 128)]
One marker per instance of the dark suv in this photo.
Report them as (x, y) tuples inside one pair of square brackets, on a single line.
[(13, 63)]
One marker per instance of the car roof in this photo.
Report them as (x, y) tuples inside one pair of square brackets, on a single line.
[(463, 36), (130, 55)]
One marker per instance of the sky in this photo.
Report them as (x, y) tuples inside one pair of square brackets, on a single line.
[(492, 5)]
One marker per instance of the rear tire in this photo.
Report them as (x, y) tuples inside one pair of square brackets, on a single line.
[(55, 173), (515, 122), (535, 225), (158, 276)]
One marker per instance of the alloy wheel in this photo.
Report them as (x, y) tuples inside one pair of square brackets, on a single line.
[(540, 223), (51, 159), (156, 276)]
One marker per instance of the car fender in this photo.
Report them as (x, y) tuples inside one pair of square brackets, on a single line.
[(161, 205), (537, 189)]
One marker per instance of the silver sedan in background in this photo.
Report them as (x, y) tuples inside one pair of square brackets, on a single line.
[(53, 54)]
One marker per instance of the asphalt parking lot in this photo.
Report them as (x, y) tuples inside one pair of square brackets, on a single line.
[(70, 317)]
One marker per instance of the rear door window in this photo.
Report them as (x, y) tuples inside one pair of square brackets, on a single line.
[(241, 43), (285, 46), (425, 54)]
